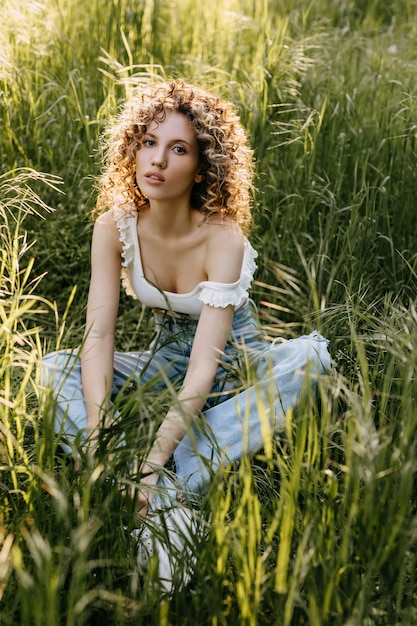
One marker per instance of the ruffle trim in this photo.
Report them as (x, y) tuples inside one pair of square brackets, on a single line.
[(249, 266), (222, 296), (121, 218)]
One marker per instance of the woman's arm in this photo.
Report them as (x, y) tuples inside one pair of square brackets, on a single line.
[(212, 331), (224, 262), (103, 301)]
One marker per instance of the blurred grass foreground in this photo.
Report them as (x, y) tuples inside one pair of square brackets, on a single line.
[(320, 528)]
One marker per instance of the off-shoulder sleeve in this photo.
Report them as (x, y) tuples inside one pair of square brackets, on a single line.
[(248, 265), (223, 294), (125, 222)]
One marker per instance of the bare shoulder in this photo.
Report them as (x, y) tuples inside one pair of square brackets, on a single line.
[(107, 219), (107, 222), (106, 231), (225, 247), (226, 233)]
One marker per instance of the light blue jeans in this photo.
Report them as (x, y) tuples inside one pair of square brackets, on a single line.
[(237, 418)]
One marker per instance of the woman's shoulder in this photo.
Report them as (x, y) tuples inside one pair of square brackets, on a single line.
[(108, 222), (118, 218), (107, 231), (225, 250), (120, 211), (119, 226), (106, 219), (223, 231)]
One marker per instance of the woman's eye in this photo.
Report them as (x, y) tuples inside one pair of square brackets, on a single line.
[(148, 142), (179, 149)]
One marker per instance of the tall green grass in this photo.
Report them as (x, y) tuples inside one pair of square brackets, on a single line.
[(320, 527)]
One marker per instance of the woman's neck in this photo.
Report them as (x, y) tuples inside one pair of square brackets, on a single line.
[(169, 223)]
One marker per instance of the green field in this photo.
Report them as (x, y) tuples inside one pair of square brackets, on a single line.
[(320, 528)]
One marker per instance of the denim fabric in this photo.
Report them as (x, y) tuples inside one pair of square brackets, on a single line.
[(233, 422)]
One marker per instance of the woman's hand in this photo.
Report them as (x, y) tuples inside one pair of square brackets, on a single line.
[(146, 492)]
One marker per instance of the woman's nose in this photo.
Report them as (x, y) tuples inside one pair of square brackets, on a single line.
[(159, 160)]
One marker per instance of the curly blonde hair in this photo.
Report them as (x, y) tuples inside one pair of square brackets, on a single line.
[(226, 160)]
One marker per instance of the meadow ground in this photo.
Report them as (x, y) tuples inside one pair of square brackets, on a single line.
[(320, 527)]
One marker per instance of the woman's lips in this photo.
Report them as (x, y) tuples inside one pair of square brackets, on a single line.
[(154, 177)]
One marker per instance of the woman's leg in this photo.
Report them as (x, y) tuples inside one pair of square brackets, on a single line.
[(61, 375), (239, 425)]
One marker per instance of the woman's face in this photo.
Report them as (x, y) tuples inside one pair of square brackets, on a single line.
[(167, 163)]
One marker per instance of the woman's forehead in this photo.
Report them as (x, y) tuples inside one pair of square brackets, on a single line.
[(171, 122)]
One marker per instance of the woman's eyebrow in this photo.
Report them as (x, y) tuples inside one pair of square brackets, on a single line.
[(152, 136)]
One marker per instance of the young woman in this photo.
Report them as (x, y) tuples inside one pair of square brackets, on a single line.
[(173, 215)]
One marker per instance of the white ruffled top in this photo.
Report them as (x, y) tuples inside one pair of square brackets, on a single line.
[(206, 292)]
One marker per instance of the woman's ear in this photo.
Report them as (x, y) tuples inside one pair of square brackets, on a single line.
[(198, 178)]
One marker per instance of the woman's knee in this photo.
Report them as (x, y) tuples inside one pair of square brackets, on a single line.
[(56, 365), (316, 352)]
